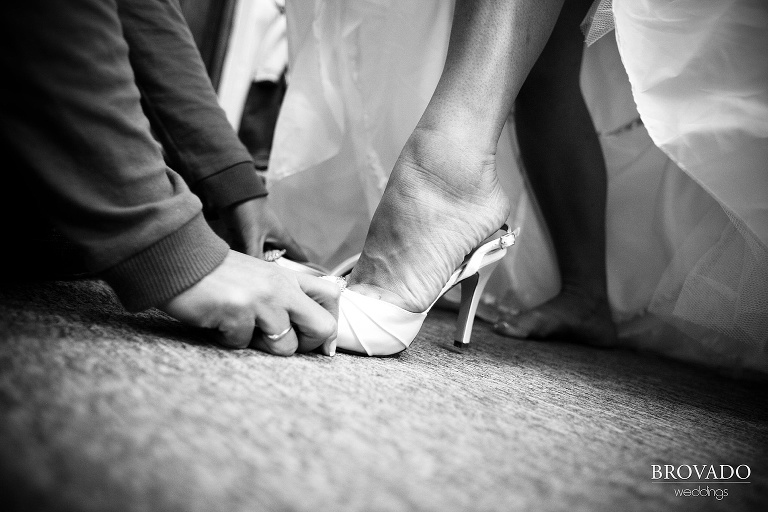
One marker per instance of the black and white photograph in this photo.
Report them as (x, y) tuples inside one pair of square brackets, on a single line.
[(384, 255)]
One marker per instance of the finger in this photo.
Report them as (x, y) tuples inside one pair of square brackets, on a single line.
[(315, 324), (235, 332), (328, 348), (292, 249), (324, 292), (328, 297), (327, 294), (275, 323)]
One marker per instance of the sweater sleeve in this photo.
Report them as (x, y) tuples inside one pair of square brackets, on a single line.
[(180, 101), (71, 114), (167, 267)]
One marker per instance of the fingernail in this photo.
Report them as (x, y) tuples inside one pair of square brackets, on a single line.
[(329, 348)]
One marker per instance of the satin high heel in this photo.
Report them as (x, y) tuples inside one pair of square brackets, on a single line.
[(372, 327)]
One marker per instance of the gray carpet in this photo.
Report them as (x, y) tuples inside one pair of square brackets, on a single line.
[(102, 410)]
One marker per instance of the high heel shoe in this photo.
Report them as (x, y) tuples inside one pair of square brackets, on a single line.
[(372, 327)]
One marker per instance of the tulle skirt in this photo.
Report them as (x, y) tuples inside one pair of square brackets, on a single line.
[(679, 96)]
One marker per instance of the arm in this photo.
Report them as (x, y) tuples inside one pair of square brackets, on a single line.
[(71, 114), (198, 140)]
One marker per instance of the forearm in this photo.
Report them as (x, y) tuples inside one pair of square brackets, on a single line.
[(70, 114), (182, 105)]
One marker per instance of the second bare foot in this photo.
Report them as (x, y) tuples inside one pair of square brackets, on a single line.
[(570, 316)]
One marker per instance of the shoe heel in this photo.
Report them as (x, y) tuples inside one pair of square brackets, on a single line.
[(471, 291)]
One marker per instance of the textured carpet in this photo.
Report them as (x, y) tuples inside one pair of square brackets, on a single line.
[(102, 410)]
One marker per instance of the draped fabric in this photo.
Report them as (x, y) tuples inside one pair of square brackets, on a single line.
[(687, 197), (361, 74), (699, 76)]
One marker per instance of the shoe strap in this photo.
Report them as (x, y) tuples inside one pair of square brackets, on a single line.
[(475, 261)]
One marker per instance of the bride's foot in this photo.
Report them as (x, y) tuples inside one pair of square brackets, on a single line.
[(570, 316), (441, 201)]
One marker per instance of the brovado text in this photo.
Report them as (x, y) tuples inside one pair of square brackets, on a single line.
[(722, 472)]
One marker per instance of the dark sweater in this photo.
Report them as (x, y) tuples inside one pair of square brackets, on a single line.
[(71, 118)]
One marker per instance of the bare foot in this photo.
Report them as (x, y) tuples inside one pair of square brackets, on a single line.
[(570, 316), (441, 201)]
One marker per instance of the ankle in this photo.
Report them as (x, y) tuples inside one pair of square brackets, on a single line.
[(467, 136), (448, 158)]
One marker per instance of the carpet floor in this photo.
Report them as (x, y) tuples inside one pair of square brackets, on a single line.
[(101, 410)]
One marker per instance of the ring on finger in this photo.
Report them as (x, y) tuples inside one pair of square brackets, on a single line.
[(275, 337)]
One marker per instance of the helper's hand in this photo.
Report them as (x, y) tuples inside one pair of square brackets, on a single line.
[(253, 223), (246, 299)]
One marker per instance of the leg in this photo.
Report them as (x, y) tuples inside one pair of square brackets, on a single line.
[(443, 196), (565, 166)]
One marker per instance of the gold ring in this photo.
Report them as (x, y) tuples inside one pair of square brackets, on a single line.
[(275, 337)]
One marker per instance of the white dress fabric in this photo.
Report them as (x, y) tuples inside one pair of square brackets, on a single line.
[(699, 76), (687, 224)]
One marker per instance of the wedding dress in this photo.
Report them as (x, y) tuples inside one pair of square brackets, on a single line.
[(687, 211)]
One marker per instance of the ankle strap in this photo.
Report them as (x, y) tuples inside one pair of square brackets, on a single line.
[(497, 244)]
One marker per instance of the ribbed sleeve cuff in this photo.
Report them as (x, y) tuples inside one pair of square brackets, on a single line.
[(168, 267), (232, 185)]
